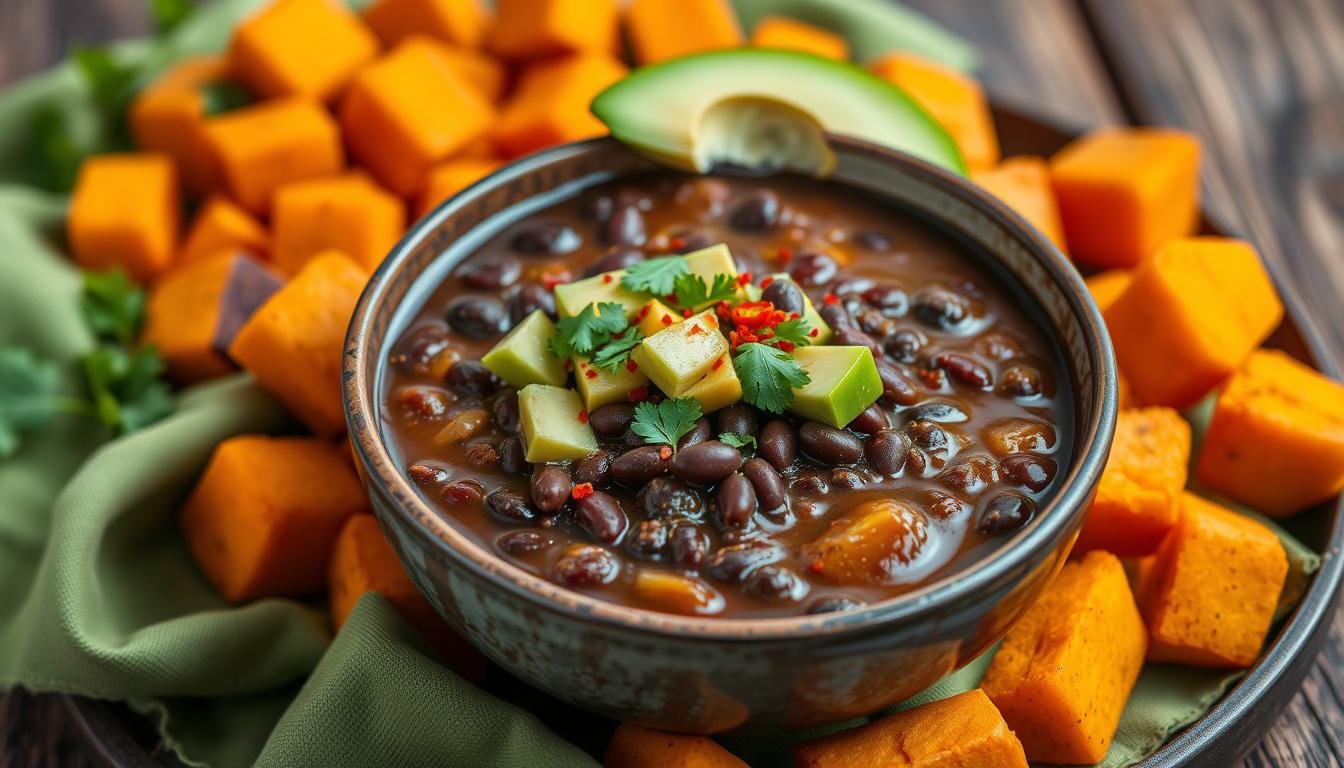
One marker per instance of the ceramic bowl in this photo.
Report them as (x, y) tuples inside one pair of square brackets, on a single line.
[(709, 675)]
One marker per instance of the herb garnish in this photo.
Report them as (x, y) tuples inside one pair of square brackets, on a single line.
[(656, 276), (30, 396), (691, 290), (666, 422), (588, 330), (738, 441), (797, 332), (615, 354), (769, 375)]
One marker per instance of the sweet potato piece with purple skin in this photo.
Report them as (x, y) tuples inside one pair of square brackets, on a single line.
[(124, 213), (221, 226), (307, 48), (264, 515), (636, 747), (456, 22), (963, 731), (873, 544), (347, 213), (195, 311)]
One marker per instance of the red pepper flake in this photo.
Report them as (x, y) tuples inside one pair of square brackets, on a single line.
[(670, 298), (694, 329), (787, 346), (631, 366), (552, 278), (617, 334), (583, 416), (644, 311), (767, 280), (676, 243), (712, 321), (717, 364), (814, 333), (744, 278), (607, 278), (665, 452), (569, 365), (815, 566), (582, 491), (830, 298), (590, 373), (794, 315), (686, 313), (667, 319), (637, 395), (785, 255)]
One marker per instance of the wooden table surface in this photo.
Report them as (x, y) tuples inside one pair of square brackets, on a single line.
[(1261, 81)]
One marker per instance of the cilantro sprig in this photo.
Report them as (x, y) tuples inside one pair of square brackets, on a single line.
[(666, 422), (614, 355), (796, 332), (30, 396), (656, 276), (585, 332), (769, 375), (692, 291), (738, 441)]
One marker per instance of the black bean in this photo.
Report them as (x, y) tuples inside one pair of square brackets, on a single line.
[(507, 413), (483, 455), (637, 466), (869, 421), (466, 491), (550, 488), (964, 369), (785, 296), (689, 545), (478, 317), (769, 485), (584, 565), (811, 484), (873, 240), (417, 348), (610, 421), (887, 450), (471, 377), (757, 213), (523, 542), (904, 345), (1005, 513), (929, 436), (850, 336), (625, 227), (834, 604), (529, 298), (736, 501), (497, 271), (735, 562), (998, 346), (706, 463), (615, 260), (778, 445), (737, 419), (1020, 381), (890, 298), (546, 238), (940, 308), (846, 478), (668, 497), (600, 514), (776, 584), (511, 455), (940, 504), (813, 269), (971, 475), (835, 316), (875, 324), (427, 476), (698, 434), (648, 540), (509, 506), (1028, 470), (828, 445), (422, 403), (688, 241), (595, 468), (897, 387), (943, 413)]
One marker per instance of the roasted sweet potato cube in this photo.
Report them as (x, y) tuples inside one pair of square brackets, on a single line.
[(1210, 593), (1191, 317), (293, 343), (962, 730), (1065, 670), (410, 110), (487, 75), (873, 544), (264, 146), (450, 177), (666, 29), (308, 48), (168, 116), (789, 34), (1024, 184), (124, 213), (550, 105), (532, 29), (347, 213), (221, 226), (456, 22), (635, 747), (956, 101), (1138, 499), (1276, 441), (195, 311), (1123, 192), (1107, 286), (675, 593), (264, 515)]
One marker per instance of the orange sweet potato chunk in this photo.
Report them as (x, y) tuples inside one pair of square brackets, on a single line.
[(194, 312), (531, 29), (307, 48), (124, 213), (550, 105), (346, 213), (292, 345), (1276, 441), (221, 226), (666, 29), (262, 147), (263, 517), (1064, 672), (1138, 499), (456, 22), (953, 99), (1024, 184), (635, 747), (450, 177), (1192, 315), (793, 35), (963, 731), (487, 75), (1210, 593), (410, 110), (1123, 192), (1107, 286), (168, 116)]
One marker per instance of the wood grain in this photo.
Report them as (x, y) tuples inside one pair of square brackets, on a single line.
[(34, 34)]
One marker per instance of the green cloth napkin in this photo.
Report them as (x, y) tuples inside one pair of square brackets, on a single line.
[(99, 596)]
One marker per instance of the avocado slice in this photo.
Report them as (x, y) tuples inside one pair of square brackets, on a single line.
[(524, 357), (765, 108), (554, 424), (600, 388), (571, 298), (844, 382), (677, 357)]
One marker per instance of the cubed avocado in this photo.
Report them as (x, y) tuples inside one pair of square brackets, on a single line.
[(524, 356), (554, 424), (600, 388), (844, 382), (571, 298), (679, 356), (656, 316), (719, 388), (711, 261)]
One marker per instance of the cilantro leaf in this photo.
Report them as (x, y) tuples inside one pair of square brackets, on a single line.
[(52, 159), (223, 96), (29, 396), (656, 276), (692, 292), (112, 306), (169, 14), (126, 387), (588, 330), (666, 422), (769, 375), (738, 441), (795, 332), (613, 355)]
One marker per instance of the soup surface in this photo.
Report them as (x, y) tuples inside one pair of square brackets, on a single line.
[(751, 513)]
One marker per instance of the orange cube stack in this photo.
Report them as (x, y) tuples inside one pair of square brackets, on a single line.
[(550, 105), (124, 213), (221, 226), (665, 29), (455, 22), (345, 213), (1024, 184), (308, 48), (1107, 286), (534, 29), (169, 116), (954, 100), (262, 147), (450, 177), (793, 35)]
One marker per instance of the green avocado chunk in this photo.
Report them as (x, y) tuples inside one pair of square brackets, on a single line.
[(524, 357), (554, 424), (765, 108), (679, 356), (844, 382), (571, 298)]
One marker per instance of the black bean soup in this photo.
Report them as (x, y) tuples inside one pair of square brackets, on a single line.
[(967, 438)]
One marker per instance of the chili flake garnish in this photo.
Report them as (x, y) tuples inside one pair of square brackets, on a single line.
[(665, 452), (582, 491), (550, 279), (717, 364), (814, 332), (631, 366), (583, 414), (830, 298), (686, 313), (607, 278), (694, 329), (744, 278), (785, 255), (637, 395), (767, 280), (667, 319)]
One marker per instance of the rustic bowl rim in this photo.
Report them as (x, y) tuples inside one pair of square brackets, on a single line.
[(1060, 517)]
